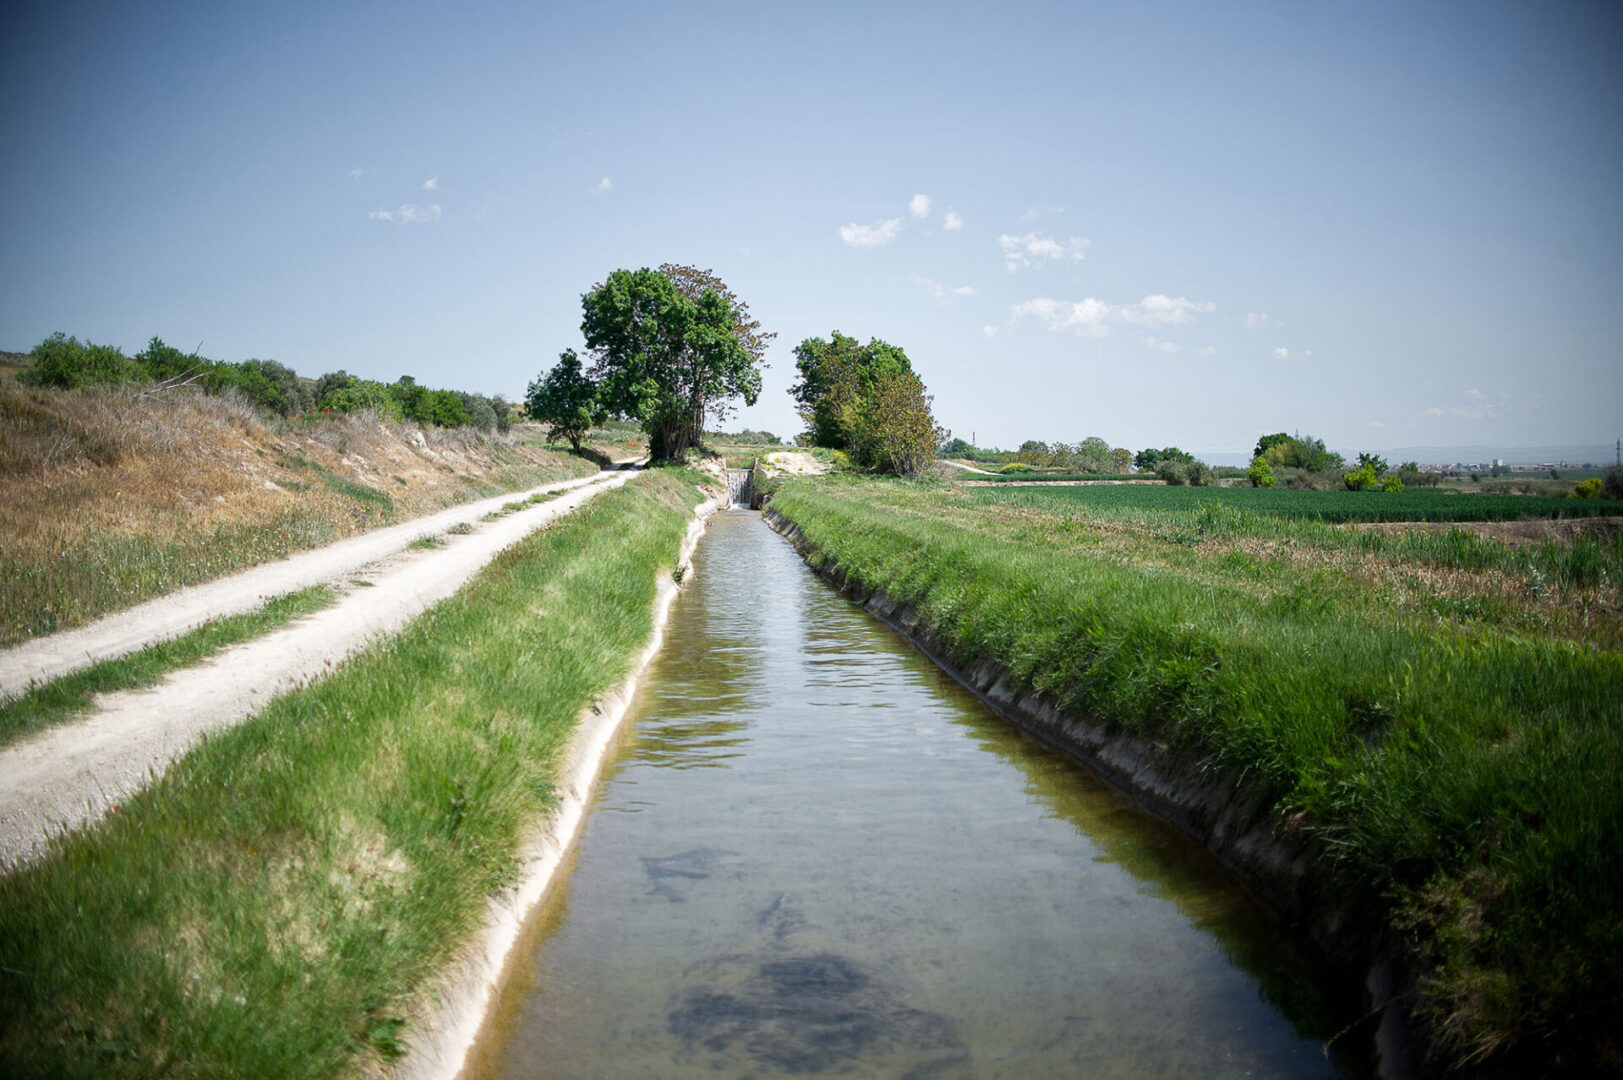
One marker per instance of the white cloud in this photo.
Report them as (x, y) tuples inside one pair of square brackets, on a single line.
[(1159, 310), (1434, 412), (357, 173), (951, 221), (431, 184), (408, 214), (1376, 424), (1161, 346), (1206, 350), (1093, 317), (1474, 394), (1033, 248), (989, 330), (878, 234), (941, 291), (1036, 212), (1256, 320), (604, 186), (1084, 318), (1282, 353), (919, 206)]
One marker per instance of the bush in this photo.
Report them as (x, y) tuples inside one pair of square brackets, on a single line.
[(1589, 489), (1612, 483), (1391, 484), (1362, 478), (66, 363), (1261, 474), (841, 461), (1178, 473)]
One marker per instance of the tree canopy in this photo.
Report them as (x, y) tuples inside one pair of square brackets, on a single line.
[(566, 400), (836, 378), (867, 401), (666, 358)]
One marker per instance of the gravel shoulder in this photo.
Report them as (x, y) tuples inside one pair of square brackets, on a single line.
[(70, 775)]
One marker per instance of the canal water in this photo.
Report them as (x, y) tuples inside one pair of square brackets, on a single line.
[(816, 854)]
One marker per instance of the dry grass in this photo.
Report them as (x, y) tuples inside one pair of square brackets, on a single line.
[(124, 496)]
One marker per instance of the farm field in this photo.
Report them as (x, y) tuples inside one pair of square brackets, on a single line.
[(1443, 709), (1414, 504)]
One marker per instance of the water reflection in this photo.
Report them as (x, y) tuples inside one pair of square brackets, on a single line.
[(884, 880)]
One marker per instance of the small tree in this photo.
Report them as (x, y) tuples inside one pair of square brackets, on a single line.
[(566, 400), (904, 431), (1261, 474)]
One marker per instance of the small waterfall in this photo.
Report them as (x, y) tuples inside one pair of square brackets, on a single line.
[(740, 488)]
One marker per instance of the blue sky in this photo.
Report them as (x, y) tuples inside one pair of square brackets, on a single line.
[(1191, 223)]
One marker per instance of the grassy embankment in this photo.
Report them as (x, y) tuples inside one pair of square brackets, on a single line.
[(1447, 716), (117, 497), (63, 699), (277, 903)]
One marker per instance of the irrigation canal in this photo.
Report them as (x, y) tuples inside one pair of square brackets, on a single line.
[(816, 854)]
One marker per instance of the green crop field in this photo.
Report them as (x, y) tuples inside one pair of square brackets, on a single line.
[(1333, 506)]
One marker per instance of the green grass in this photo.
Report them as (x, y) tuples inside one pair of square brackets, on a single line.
[(1460, 765), (64, 698), (1191, 516), (1415, 504), (278, 902), (524, 504), (426, 543)]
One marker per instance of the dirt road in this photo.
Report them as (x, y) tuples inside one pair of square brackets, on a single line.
[(69, 775), (170, 616)]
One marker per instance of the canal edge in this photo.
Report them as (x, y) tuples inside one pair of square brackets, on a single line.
[(1284, 871), (453, 1020)]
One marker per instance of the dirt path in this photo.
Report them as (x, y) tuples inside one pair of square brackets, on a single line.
[(170, 616), (67, 776)]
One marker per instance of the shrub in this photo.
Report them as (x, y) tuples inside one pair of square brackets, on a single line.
[(1612, 483), (1177, 473), (67, 363), (1261, 474), (1362, 478), (841, 461), (1589, 489), (1391, 483)]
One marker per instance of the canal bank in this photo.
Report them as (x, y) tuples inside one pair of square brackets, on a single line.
[(445, 1033), (1285, 866), (816, 853)]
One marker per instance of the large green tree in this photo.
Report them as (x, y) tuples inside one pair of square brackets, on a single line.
[(566, 400), (665, 358), (836, 378)]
